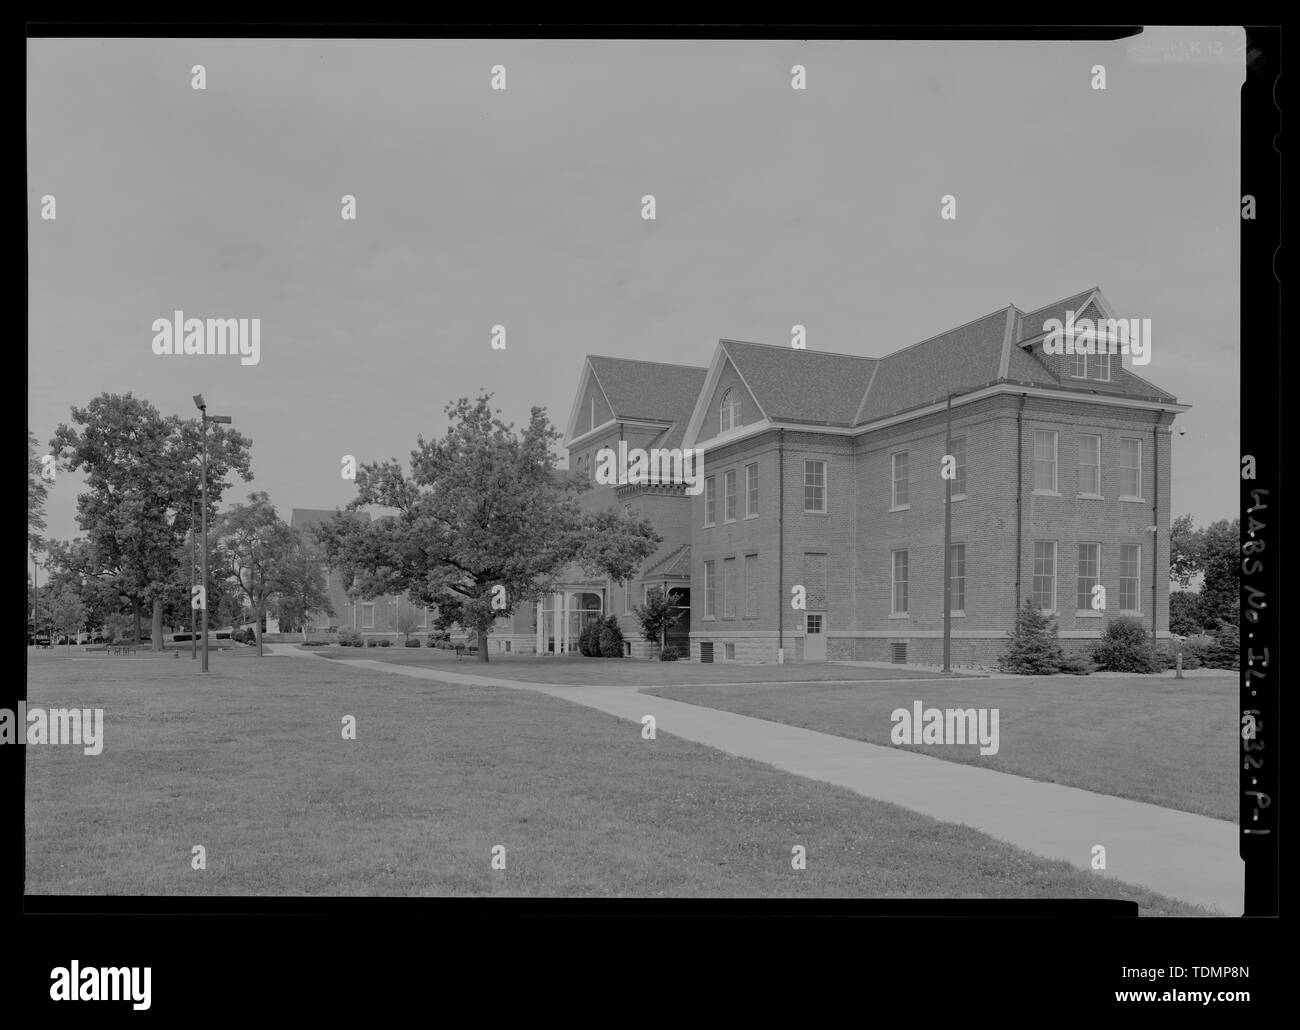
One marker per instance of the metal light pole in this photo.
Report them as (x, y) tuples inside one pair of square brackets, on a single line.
[(194, 560), (225, 419), (947, 550), (36, 601)]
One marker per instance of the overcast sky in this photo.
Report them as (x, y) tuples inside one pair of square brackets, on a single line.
[(477, 207)]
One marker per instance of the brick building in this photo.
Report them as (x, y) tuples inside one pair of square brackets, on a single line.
[(377, 617), (822, 474)]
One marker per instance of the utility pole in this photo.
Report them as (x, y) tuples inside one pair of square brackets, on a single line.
[(947, 549)]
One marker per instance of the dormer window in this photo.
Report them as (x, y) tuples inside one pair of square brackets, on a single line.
[(1088, 366), (729, 411)]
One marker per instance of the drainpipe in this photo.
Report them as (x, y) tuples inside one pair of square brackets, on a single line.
[(947, 549), (780, 546), (1155, 519), (1020, 492)]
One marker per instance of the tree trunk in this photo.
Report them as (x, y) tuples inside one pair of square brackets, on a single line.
[(156, 630), (482, 645), (257, 627), (135, 612)]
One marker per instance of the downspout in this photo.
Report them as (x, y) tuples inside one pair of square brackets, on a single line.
[(1155, 520), (1020, 491), (780, 545)]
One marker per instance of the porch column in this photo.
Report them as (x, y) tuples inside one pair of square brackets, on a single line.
[(555, 619), (541, 628), (564, 622)]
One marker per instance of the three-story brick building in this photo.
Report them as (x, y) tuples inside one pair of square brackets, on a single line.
[(823, 488)]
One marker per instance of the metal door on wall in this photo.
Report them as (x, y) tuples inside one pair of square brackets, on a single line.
[(814, 640)]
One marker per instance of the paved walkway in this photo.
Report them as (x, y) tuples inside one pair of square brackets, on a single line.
[(1178, 854)]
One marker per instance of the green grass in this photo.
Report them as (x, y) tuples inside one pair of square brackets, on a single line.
[(579, 671), (1165, 741), (250, 763)]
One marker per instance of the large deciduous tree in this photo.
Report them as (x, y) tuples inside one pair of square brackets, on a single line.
[(37, 491), (483, 508), (142, 473), (255, 549), (1221, 592), (1186, 551), (71, 565), (301, 585)]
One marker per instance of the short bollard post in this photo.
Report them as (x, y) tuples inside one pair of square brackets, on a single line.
[(1178, 666)]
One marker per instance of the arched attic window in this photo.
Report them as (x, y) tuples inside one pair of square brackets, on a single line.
[(729, 411)]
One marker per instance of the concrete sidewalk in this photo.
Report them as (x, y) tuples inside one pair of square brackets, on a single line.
[(1178, 854)]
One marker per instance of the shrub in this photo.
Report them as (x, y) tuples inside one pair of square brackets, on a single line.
[(669, 654), (349, 638), (1194, 651), (1224, 648), (611, 638), (371, 642), (1184, 613), (1074, 664), (1125, 646), (412, 641), (1034, 648), (589, 639), (385, 642), (440, 640)]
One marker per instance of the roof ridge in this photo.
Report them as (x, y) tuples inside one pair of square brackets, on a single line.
[(643, 361), (1082, 293), (784, 348)]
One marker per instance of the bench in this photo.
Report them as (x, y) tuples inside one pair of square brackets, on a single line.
[(122, 649), (464, 649)]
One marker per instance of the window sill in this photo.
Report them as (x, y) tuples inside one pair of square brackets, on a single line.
[(1132, 500), (1093, 497), (957, 497), (727, 522), (901, 507), (807, 511), (753, 516), (957, 614), (710, 525), (900, 615), (1047, 493), (1090, 613)]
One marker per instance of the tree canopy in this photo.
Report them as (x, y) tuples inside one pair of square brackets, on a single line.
[(484, 522)]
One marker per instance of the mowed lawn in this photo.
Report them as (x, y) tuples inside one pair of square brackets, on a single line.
[(251, 764), (1166, 741), (630, 672)]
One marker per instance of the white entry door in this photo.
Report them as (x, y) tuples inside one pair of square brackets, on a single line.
[(814, 641)]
